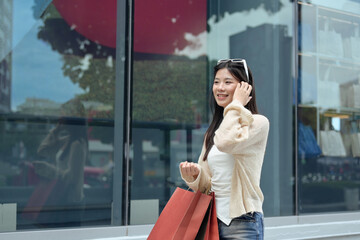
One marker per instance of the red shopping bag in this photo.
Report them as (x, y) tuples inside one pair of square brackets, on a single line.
[(209, 228), (186, 216), (212, 231), (38, 199)]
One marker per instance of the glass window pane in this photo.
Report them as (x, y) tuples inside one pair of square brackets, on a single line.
[(174, 55), (57, 114), (262, 33), (169, 106), (329, 108)]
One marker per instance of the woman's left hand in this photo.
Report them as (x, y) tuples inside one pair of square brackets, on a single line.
[(242, 93), (44, 169), (189, 169)]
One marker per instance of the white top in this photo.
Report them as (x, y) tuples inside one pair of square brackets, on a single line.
[(221, 166)]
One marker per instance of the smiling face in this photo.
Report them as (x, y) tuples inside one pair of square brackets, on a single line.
[(224, 87)]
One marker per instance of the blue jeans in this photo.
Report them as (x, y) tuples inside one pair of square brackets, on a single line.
[(248, 226)]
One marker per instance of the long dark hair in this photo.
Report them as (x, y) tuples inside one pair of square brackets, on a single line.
[(238, 72), (78, 132)]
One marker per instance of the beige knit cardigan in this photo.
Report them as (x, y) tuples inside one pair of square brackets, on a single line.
[(244, 135)]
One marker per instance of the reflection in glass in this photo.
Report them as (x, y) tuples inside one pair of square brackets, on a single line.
[(57, 118), (261, 32), (169, 103), (60, 174), (328, 113), (172, 75)]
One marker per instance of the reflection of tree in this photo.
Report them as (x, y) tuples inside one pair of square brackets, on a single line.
[(89, 65), (163, 90), (96, 76), (86, 63), (66, 40), (169, 90)]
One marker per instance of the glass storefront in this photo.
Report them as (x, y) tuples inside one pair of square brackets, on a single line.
[(57, 112), (169, 100), (172, 77), (99, 104), (329, 106)]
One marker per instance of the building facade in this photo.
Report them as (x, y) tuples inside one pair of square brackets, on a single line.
[(101, 100), (5, 43)]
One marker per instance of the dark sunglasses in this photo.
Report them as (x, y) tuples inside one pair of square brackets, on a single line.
[(236, 60)]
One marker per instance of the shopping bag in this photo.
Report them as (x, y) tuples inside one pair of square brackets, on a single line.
[(209, 227), (38, 199), (355, 144), (212, 231), (186, 216)]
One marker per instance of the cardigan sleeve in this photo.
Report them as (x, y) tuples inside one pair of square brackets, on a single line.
[(240, 129), (203, 180)]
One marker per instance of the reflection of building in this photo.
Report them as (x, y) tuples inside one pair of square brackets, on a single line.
[(37, 106), (5, 27), (5, 47), (100, 153), (269, 46), (148, 110)]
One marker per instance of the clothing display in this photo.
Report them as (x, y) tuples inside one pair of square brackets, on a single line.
[(308, 146), (332, 144), (353, 100), (331, 40), (355, 45), (328, 94), (347, 47), (355, 144)]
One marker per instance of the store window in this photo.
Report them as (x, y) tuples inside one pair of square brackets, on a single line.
[(57, 104), (328, 105), (176, 44), (262, 33), (169, 103)]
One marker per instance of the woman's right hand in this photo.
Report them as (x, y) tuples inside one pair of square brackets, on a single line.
[(189, 169), (44, 169), (242, 93)]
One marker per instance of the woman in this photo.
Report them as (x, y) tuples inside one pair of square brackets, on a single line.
[(232, 155), (67, 146)]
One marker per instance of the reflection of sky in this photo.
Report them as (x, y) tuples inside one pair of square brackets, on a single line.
[(36, 68), (336, 123), (23, 19), (216, 43), (218, 38)]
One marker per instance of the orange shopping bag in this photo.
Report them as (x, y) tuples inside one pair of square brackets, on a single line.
[(187, 216)]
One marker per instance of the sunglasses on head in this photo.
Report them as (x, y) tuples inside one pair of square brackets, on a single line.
[(236, 60)]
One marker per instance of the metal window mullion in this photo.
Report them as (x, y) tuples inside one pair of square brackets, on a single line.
[(121, 116), (129, 64), (296, 76)]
